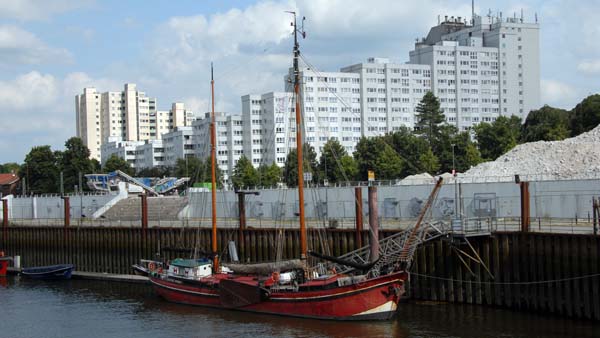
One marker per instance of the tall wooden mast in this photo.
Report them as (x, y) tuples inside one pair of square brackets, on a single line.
[(213, 146), (299, 140)]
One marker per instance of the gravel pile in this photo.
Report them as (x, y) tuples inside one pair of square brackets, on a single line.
[(577, 157)]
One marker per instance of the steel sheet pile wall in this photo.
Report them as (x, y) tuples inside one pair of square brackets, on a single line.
[(539, 272), (115, 249)]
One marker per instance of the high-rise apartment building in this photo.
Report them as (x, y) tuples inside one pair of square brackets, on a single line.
[(178, 144), (389, 94), (483, 70), (269, 123), (330, 104), (229, 138), (87, 108), (129, 115)]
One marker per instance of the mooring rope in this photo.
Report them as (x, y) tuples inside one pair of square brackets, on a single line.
[(560, 280)]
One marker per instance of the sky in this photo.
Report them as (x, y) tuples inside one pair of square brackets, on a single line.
[(51, 50)]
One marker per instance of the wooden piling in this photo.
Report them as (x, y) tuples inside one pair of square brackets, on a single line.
[(4, 221), (358, 207), (373, 224)]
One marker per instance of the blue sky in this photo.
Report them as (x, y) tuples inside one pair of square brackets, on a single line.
[(50, 50)]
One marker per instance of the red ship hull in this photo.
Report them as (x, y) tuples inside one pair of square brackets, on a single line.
[(4, 265), (375, 298)]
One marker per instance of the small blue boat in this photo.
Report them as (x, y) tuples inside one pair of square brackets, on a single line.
[(61, 271)]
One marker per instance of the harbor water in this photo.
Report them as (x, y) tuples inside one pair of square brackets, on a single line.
[(83, 308)]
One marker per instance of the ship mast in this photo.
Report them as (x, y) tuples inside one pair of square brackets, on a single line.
[(213, 146), (299, 138)]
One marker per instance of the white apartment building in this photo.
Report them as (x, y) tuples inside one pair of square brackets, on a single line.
[(389, 94), (365, 99), (151, 153), (269, 123), (178, 143), (87, 114), (229, 139), (139, 154), (330, 103), (484, 70), (235, 141), (123, 149), (167, 121), (129, 115)]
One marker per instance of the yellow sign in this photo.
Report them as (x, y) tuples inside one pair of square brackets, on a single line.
[(371, 175)]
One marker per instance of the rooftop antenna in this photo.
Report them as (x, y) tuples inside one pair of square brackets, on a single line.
[(521, 15), (473, 12), (438, 19), (536, 19)]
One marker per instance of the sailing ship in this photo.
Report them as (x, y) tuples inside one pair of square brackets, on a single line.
[(289, 288)]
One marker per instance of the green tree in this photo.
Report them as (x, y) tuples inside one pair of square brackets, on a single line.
[(269, 175), (388, 164), (375, 154), (409, 147), (9, 167), (429, 118), (41, 170), (498, 137), (244, 174), (350, 168), (442, 148), (429, 162), (74, 160), (586, 115), (335, 165), (191, 167), (96, 167), (546, 124), (290, 169), (208, 173), (114, 162), (465, 152)]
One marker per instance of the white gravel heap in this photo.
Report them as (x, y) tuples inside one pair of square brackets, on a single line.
[(577, 157)]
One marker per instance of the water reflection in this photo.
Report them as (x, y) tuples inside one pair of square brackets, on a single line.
[(78, 308)]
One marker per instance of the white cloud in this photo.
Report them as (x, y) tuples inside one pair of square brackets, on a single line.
[(38, 109), (36, 102), (198, 105), (27, 91), (559, 94), (74, 83), (22, 47), (589, 66), (26, 10), (375, 19), (184, 43)]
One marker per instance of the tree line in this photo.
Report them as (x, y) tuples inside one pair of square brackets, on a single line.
[(434, 146)]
